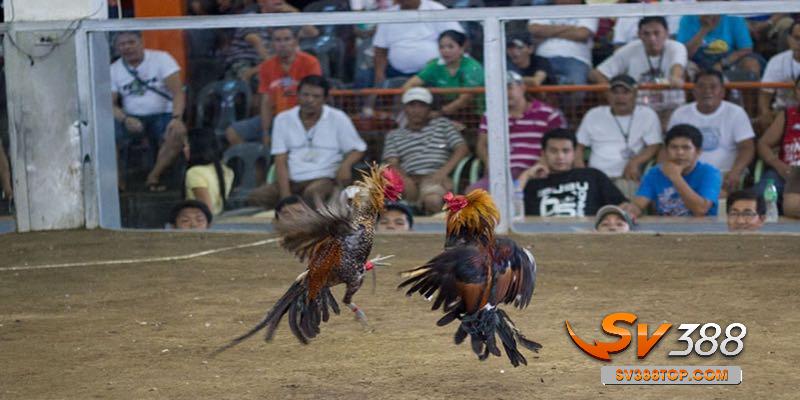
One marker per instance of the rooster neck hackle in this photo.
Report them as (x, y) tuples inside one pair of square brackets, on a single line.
[(475, 218)]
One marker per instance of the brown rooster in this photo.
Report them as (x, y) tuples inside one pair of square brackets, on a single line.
[(336, 240), (475, 274)]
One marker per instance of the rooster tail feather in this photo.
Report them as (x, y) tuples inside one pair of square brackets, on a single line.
[(482, 328)]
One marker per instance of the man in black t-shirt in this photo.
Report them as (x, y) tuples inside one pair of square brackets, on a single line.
[(553, 188), (523, 60)]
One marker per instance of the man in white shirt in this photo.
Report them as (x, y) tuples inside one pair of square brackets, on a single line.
[(626, 29), (314, 147), (403, 49), (148, 100), (653, 58), (567, 45), (623, 136), (783, 67), (728, 137)]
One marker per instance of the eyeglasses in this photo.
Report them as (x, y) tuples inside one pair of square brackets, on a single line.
[(743, 214)]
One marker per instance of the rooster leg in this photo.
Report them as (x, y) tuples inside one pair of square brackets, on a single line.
[(359, 313)]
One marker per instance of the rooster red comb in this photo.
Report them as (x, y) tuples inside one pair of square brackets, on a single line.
[(454, 203), (393, 183)]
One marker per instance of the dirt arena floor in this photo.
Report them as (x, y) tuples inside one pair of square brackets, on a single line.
[(145, 330)]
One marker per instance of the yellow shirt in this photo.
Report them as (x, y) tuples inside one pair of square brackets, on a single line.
[(204, 176)]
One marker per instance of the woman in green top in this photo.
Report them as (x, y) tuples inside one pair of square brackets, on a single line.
[(452, 69)]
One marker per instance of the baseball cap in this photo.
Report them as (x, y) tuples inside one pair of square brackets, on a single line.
[(393, 205), (624, 81), (417, 94), (513, 77), (519, 40), (612, 209)]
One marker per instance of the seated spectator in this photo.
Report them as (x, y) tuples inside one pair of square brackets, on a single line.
[(719, 42), (425, 151), (288, 205), (278, 77), (190, 214), (567, 45), (613, 219), (728, 142), (791, 194), (395, 218), (623, 137), (654, 58), (5, 175), (148, 101), (453, 69), (783, 67), (626, 29), (523, 60), (783, 133), (528, 120), (314, 148), (565, 191), (681, 185), (746, 211), (206, 176), (404, 49)]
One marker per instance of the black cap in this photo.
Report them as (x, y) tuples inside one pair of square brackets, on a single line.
[(393, 205), (623, 80), (519, 40)]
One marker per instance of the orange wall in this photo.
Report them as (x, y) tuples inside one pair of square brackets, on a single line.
[(169, 41)]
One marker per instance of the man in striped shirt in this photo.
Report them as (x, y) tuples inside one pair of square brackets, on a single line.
[(424, 151), (528, 120)]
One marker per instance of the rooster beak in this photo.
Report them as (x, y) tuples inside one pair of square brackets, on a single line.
[(445, 207)]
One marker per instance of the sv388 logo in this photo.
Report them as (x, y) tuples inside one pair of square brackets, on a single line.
[(707, 345)]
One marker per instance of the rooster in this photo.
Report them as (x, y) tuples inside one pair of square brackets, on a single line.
[(336, 240), (476, 273)]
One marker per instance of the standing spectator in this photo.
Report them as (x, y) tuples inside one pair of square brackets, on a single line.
[(567, 45), (791, 194), (566, 191), (746, 211), (148, 100), (728, 142), (191, 215), (523, 60), (623, 136), (682, 185), (783, 133), (453, 68), (314, 148), (783, 67), (278, 78), (528, 121), (5, 175), (720, 42), (654, 58), (425, 151), (207, 179), (404, 49)]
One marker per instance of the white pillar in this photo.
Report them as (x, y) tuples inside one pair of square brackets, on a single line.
[(44, 113)]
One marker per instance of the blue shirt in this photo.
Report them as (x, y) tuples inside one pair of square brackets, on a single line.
[(730, 34), (704, 179)]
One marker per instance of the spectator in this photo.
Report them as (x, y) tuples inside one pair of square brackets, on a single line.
[(746, 211), (314, 148), (395, 218), (278, 77), (453, 68), (404, 49), (565, 191), (528, 120), (791, 194), (682, 185), (425, 151), (783, 67), (190, 214), (248, 46), (288, 205), (626, 29), (148, 100), (728, 142), (783, 133), (207, 179), (720, 42), (567, 45), (5, 175), (623, 136), (613, 219), (654, 58), (523, 60)]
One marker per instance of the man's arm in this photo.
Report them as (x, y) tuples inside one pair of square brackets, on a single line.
[(770, 139), (345, 173), (266, 116), (574, 33), (175, 87), (676, 76), (381, 62), (482, 151), (696, 41), (579, 156), (282, 172), (119, 114), (460, 102), (414, 81), (745, 151), (254, 39), (637, 206), (697, 204), (633, 170), (459, 152), (595, 76)]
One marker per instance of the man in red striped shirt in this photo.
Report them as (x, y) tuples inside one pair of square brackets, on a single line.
[(528, 120)]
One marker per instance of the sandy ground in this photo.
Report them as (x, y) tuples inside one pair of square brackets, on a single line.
[(144, 330)]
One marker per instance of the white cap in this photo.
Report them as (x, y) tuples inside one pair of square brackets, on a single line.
[(417, 94)]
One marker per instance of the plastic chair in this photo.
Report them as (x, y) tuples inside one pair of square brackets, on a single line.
[(243, 159), (229, 100), (458, 171)]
